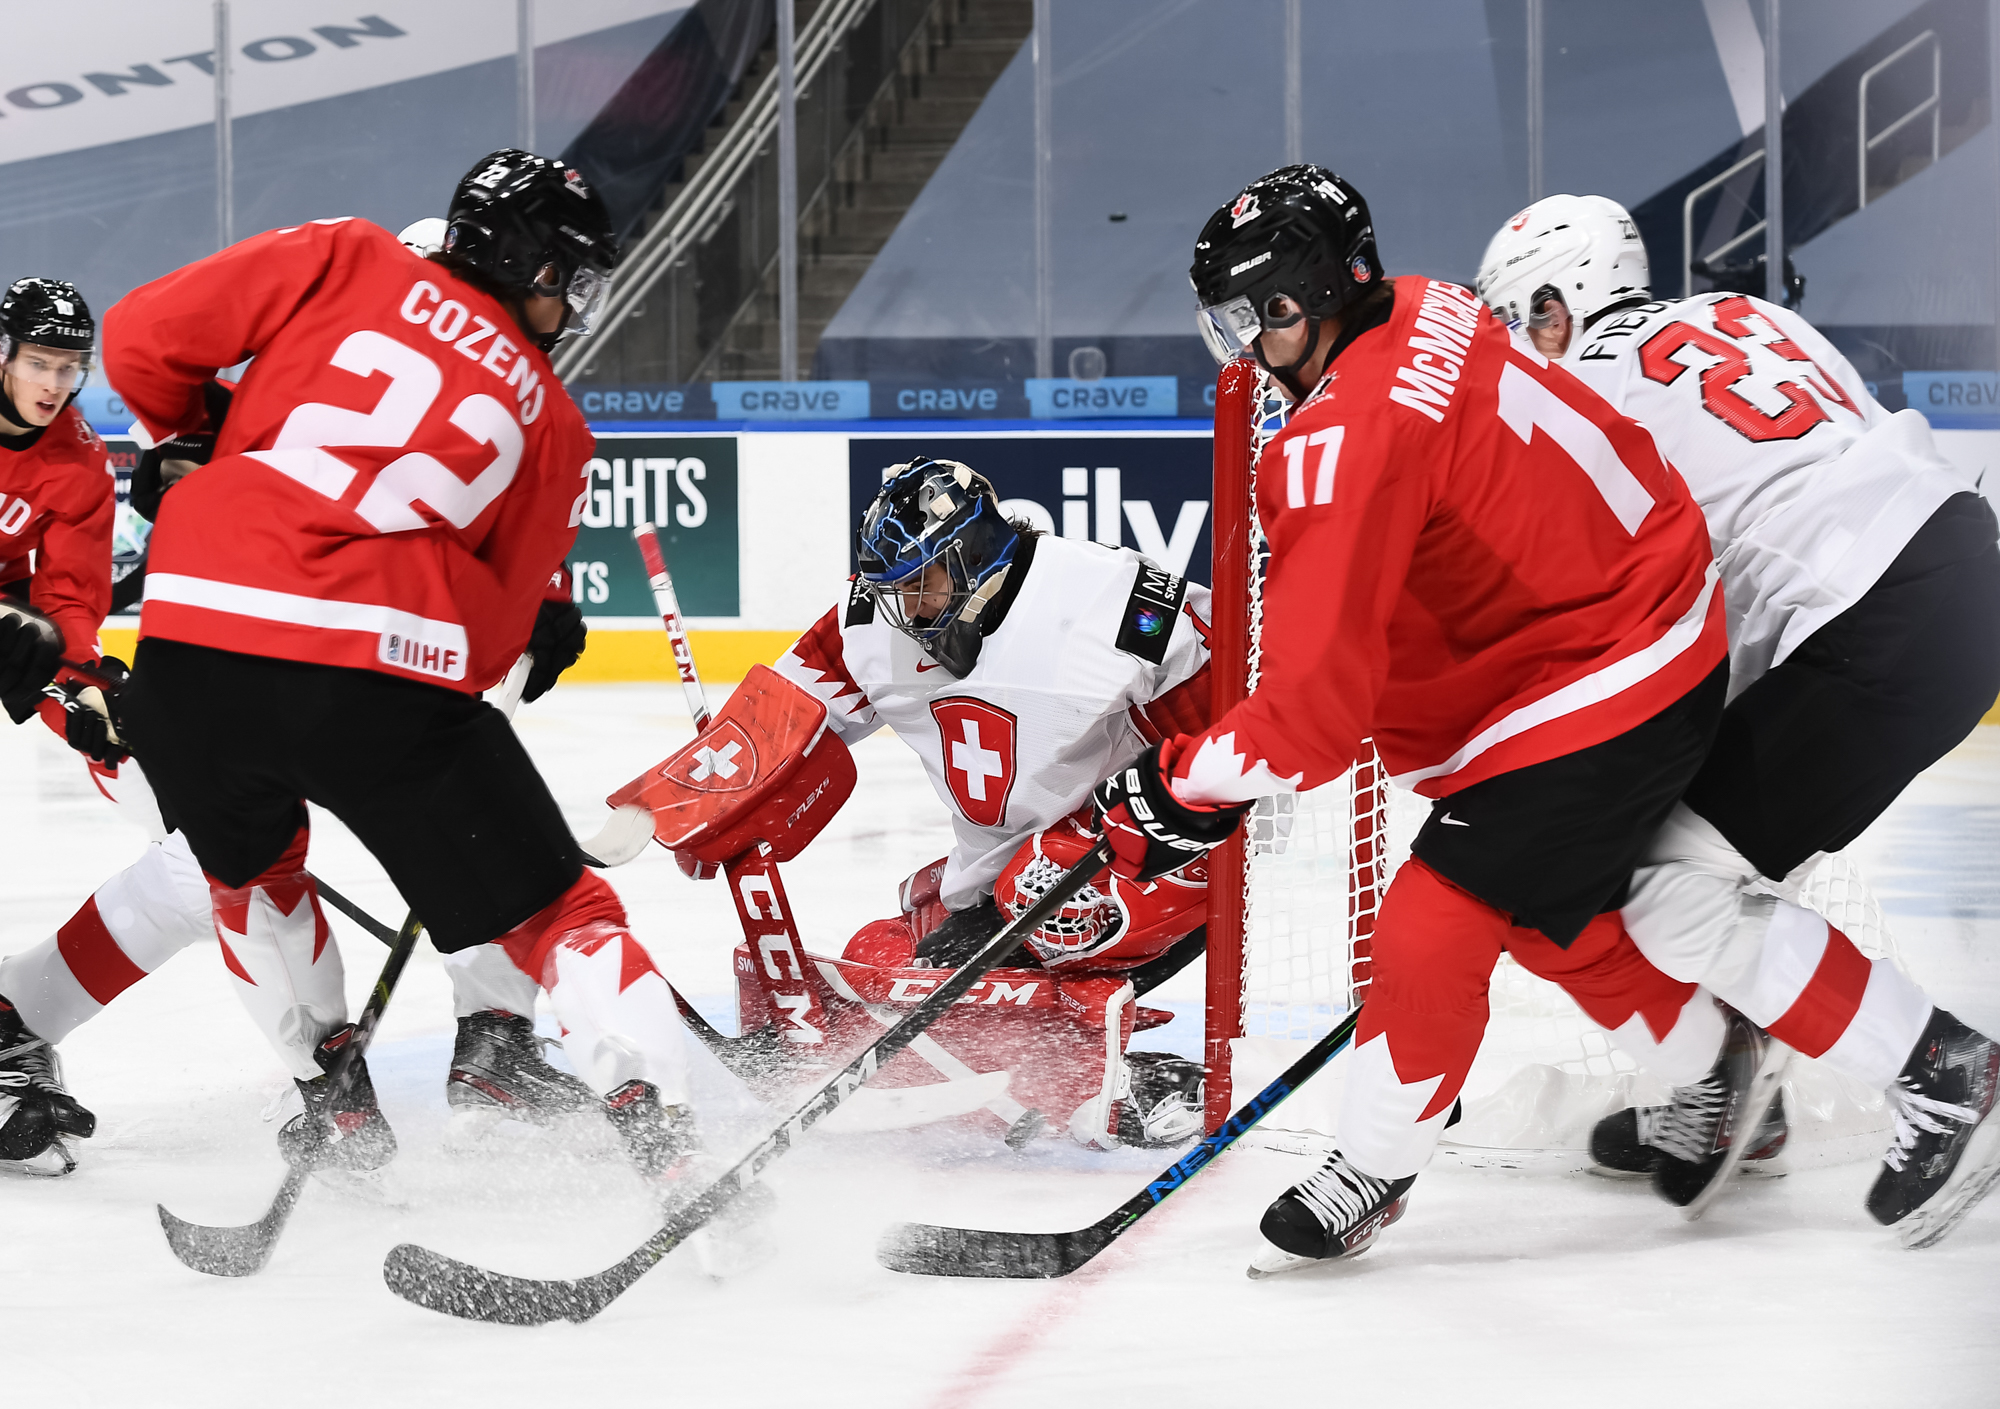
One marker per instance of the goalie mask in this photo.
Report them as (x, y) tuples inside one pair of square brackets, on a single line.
[(934, 550), (1296, 244)]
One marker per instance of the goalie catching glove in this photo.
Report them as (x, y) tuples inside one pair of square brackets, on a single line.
[(1150, 830)]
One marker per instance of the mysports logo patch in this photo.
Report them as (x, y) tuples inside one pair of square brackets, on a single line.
[(978, 744)]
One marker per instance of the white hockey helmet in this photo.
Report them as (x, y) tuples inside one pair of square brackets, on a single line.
[(1585, 247), (424, 236)]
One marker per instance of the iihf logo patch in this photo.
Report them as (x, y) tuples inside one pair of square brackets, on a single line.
[(1360, 270), (1244, 211)]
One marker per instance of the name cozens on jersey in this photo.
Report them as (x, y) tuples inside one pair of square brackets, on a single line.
[(477, 339), (1446, 322)]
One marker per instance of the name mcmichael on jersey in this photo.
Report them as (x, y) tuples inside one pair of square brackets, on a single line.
[(1447, 319)]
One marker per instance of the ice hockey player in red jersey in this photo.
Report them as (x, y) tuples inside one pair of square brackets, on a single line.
[(1020, 668), (56, 503), (367, 548), (1863, 588), (1479, 564), (158, 905)]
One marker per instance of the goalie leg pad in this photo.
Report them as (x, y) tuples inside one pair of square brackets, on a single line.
[(279, 950)]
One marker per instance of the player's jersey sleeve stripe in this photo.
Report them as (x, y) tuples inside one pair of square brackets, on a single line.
[(1594, 688), (817, 662)]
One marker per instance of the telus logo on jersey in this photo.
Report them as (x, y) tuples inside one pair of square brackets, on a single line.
[(978, 745), (1446, 321)]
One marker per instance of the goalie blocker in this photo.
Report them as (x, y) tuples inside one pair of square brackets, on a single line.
[(765, 778)]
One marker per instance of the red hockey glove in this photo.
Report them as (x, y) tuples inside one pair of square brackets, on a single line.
[(90, 711), (1150, 830), (556, 643)]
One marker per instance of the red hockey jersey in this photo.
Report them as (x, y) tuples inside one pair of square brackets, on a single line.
[(57, 500), (1473, 559), (398, 476)]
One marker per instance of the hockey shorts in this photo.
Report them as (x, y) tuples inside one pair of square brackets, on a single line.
[(433, 782)]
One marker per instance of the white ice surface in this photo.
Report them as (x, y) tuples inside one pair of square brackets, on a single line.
[(1533, 1286)]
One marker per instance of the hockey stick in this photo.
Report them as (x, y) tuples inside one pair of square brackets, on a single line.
[(458, 1289), (935, 1251), (628, 829), (670, 617), (243, 1250)]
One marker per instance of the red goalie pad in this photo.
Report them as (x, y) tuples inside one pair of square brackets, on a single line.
[(766, 770)]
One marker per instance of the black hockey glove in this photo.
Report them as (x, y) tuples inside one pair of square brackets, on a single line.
[(165, 465), (1150, 830), (556, 643), (30, 650), (90, 711)]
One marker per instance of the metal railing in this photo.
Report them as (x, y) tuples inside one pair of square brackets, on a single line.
[(1932, 105), (704, 202), (1688, 260)]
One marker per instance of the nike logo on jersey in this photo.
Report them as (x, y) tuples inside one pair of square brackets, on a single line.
[(924, 665), (1451, 821)]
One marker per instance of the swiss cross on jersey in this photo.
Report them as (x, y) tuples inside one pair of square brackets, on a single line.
[(979, 765)]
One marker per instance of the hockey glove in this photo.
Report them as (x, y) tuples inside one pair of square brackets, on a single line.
[(90, 711), (30, 650), (556, 643), (165, 465), (1150, 830)]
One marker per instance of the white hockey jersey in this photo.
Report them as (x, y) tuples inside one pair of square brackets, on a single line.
[(1046, 712), (1809, 486)]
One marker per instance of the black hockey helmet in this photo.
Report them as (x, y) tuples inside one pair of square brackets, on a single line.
[(516, 214), (936, 511), (49, 312), (1300, 231)]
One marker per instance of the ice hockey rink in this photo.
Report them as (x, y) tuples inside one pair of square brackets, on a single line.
[(1535, 1284)]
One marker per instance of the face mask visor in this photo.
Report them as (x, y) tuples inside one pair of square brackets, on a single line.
[(1229, 328), (588, 288)]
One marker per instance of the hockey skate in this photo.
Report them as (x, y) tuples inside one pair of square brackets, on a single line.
[(1701, 1140), (36, 1112), (1623, 1144), (498, 1073), (665, 1145), (1163, 1107), (1337, 1212), (1945, 1156), (352, 1137)]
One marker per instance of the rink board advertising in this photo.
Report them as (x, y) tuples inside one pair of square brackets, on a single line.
[(1145, 492), (685, 486)]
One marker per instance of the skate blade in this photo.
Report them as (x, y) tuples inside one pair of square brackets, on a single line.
[(1270, 1261), (1978, 1171), (1763, 1091), (52, 1163)]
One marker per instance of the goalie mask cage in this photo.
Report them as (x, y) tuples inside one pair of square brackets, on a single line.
[(1294, 895)]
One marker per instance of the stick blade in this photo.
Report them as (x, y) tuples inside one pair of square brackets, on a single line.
[(626, 833), (223, 1252), (928, 1250), (454, 1288)]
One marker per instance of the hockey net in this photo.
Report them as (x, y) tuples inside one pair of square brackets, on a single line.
[(1293, 901)]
